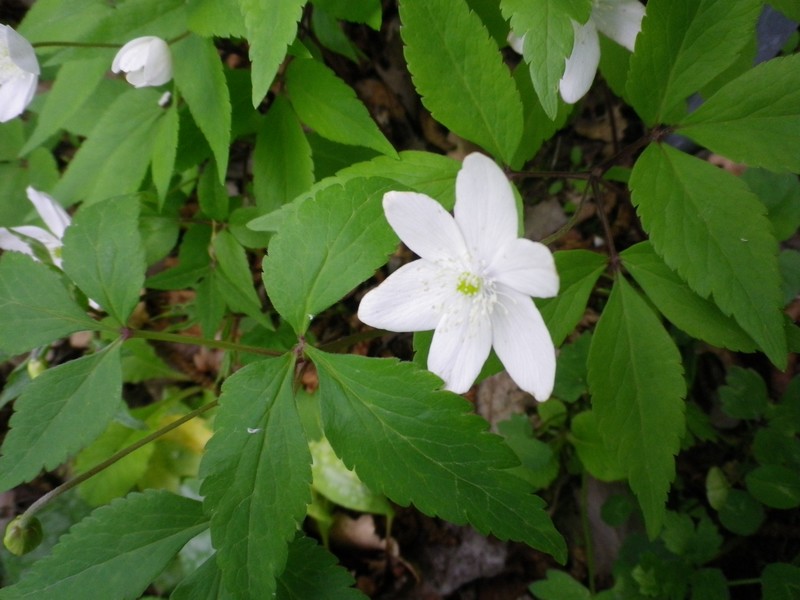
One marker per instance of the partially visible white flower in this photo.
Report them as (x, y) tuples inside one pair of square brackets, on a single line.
[(620, 20), (55, 218), (146, 62), (472, 284), (19, 73)]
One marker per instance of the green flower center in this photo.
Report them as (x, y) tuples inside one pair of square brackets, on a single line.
[(469, 284)]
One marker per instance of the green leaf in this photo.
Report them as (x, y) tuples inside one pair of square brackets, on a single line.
[(282, 165), (193, 261), (459, 72), (103, 254), (744, 395), (203, 584), (199, 76), (754, 119), (325, 248), (637, 386), (35, 305), (741, 513), (539, 463), (578, 271), (216, 18), (774, 486), (559, 586), (415, 444), (709, 584), (312, 572), (788, 7), (736, 262), (75, 83), (212, 195), (114, 158), (116, 552), (780, 193), (257, 471), (597, 457), (780, 581), (547, 27), (682, 46), (60, 412), (165, 149), (210, 303), (330, 107), (271, 27), (570, 382), (789, 264), (697, 316), (365, 11)]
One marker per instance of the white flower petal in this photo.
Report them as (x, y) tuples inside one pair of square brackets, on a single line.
[(16, 94), (485, 209), (411, 299), (425, 227), (526, 266), (42, 236), (8, 241), (460, 346), (523, 344), (621, 20), (145, 60), (582, 63), (517, 42), (51, 212)]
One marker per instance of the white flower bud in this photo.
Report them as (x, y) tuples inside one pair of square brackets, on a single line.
[(19, 73), (146, 61)]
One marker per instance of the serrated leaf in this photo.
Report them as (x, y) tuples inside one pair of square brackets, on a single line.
[(215, 17), (35, 305), (733, 257), (312, 572), (205, 583), (165, 149), (115, 552), (578, 271), (637, 386), (365, 11), (198, 73), (257, 471), (114, 158), (744, 395), (547, 27), (103, 254), (415, 444), (754, 119), (459, 72), (559, 586), (682, 46), (326, 247), (75, 83), (60, 412), (330, 107), (271, 27), (282, 165), (780, 193), (697, 316)]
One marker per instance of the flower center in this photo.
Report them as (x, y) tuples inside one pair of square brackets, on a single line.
[(8, 68), (469, 284)]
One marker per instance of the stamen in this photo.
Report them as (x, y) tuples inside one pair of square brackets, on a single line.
[(469, 284)]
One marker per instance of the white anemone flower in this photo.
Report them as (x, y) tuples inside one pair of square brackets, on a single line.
[(472, 284), (146, 62), (55, 218), (19, 73), (620, 20)]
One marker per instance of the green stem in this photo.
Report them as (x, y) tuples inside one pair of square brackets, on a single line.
[(162, 336), (587, 533), (737, 582), (76, 45), (350, 340), (75, 481)]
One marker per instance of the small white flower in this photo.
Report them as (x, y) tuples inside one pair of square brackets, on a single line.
[(19, 73), (472, 284), (146, 62), (55, 218), (620, 20)]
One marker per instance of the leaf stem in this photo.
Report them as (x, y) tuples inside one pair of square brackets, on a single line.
[(350, 340), (162, 336), (75, 481)]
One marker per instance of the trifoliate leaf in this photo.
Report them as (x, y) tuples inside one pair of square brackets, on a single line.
[(116, 552), (736, 263), (199, 76), (326, 247), (35, 305), (257, 471), (282, 165), (330, 107), (578, 271), (58, 413), (754, 119), (637, 386), (682, 46), (459, 72), (386, 420), (271, 27), (697, 316)]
